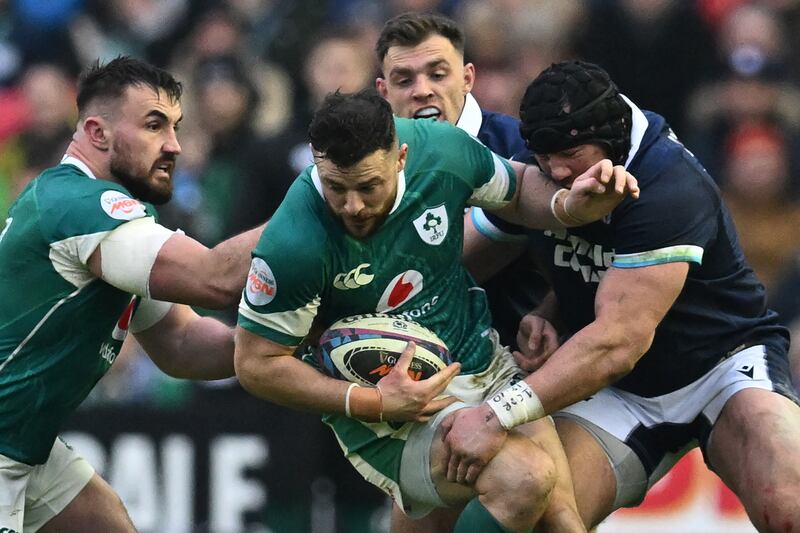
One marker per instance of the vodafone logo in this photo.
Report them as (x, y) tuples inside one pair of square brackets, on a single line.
[(121, 206), (261, 286), (400, 290)]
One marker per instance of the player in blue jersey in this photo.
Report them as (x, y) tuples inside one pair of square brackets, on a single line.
[(82, 262), (385, 200), (656, 338), (424, 76)]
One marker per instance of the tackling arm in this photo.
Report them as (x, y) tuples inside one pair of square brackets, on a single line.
[(186, 345), (539, 203), (629, 305), (177, 269)]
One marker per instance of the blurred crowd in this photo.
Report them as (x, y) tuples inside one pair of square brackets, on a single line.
[(724, 72)]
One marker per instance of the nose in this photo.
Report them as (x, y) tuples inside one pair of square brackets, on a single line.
[(171, 145), (353, 204), (559, 172), (422, 88)]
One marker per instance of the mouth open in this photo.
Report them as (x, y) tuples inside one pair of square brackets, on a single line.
[(165, 167), (428, 112)]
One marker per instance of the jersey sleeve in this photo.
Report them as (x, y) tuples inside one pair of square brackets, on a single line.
[(283, 290), (490, 177), (75, 219), (495, 228), (674, 220)]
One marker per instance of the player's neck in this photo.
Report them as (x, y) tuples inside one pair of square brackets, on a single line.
[(99, 168)]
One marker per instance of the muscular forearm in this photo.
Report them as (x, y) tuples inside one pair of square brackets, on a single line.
[(593, 358), (200, 349), (287, 381), (231, 261), (531, 205)]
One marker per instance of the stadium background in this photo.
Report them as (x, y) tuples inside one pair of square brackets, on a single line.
[(206, 457)]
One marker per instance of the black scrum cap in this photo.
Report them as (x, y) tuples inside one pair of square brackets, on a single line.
[(574, 103)]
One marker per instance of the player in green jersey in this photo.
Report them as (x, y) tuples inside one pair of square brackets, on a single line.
[(425, 76), (383, 206), (82, 262)]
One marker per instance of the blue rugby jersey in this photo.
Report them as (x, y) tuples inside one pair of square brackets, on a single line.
[(679, 217)]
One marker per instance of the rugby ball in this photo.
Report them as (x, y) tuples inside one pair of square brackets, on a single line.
[(364, 348)]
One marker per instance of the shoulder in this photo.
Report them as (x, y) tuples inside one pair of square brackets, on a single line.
[(440, 145), (300, 225), (71, 203), (501, 134), (422, 132)]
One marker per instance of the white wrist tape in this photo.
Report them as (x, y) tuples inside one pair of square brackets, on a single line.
[(553, 200), (516, 405), (347, 399)]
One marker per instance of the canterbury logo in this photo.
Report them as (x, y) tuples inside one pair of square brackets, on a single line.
[(354, 279)]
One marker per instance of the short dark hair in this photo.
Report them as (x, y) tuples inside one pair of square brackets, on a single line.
[(348, 127), (111, 80), (410, 29)]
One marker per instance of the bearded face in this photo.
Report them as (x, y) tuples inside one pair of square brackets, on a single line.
[(144, 146), (148, 180)]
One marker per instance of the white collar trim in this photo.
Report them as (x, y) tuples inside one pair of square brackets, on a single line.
[(639, 125), (471, 117), (401, 190), (75, 162)]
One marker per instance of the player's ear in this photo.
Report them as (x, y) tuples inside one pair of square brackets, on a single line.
[(469, 77), (401, 157), (380, 85), (96, 130)]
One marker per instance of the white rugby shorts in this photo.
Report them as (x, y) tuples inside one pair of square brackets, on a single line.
[(644, 437), (31, 495)]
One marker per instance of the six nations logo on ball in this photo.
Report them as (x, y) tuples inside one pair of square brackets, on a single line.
[(261, 286)]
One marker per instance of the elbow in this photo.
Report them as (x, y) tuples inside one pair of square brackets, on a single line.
[(221, 297), (255, 374), (243, 367)]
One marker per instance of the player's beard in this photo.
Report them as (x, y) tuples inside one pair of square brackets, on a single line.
[(137, 179)]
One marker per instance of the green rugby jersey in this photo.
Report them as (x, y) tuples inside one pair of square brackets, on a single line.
[(60, 327), (307, 267)]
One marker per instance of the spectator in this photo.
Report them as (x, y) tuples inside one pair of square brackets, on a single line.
[(757, 189)]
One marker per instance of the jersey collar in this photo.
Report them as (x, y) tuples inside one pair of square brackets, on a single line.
[(401, 187), (401, 190), (471, 117), (639, 126), (75, 162)]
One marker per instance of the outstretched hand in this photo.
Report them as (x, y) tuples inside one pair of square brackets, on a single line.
[(407, 400), (596, 192)]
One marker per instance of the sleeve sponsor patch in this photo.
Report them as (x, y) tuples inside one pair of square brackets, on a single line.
[(120, 206), (261, 286)]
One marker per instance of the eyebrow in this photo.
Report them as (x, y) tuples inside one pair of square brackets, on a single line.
[(162, 116), (401, 70), (331, 182)]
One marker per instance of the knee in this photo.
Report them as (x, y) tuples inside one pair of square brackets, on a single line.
[(778, 510), (522, 473)]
